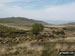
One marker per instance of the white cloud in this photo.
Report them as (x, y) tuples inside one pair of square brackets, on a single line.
[(63, 12), (7, 1)]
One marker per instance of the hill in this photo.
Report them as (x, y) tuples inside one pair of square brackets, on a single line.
[(15, 42), (71, 23), (19, 21)]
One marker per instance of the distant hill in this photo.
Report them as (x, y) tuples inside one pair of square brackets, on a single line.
[(72, 23), (19, 21)]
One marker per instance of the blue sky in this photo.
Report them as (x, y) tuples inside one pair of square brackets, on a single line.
[(39, 4), (46, 10)]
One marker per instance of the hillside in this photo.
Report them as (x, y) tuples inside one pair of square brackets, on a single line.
[(15, 42), (19, 21), (71, 23)]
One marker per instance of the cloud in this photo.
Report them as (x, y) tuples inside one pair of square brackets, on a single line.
[(59, 12), (63, 12), (8, 1)]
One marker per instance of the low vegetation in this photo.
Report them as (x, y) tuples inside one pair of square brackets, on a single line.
[(49, 41), (58, 32)]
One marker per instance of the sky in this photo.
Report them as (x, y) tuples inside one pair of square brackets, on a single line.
[(51, 11)]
